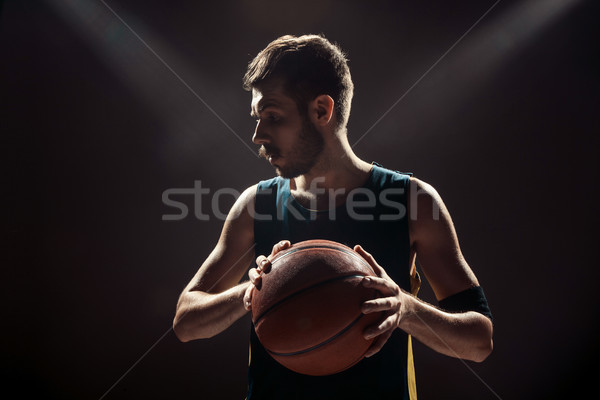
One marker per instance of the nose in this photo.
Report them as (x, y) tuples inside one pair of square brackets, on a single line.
[(259, 137)]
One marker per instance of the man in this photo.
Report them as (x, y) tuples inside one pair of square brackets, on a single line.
[(301, 93)]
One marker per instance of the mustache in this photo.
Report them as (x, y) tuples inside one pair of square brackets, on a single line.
[(266, 151)]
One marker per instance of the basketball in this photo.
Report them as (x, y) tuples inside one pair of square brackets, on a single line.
[(307, 310)]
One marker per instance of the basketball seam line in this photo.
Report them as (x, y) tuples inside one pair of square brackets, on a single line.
[(340, 333), (338, 278)]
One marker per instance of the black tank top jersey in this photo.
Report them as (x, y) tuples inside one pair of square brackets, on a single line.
[(374, 216)]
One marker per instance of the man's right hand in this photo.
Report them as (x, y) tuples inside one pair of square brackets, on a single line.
[(263, 266)]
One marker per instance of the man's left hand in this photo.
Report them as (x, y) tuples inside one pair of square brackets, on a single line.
[(392, 303)]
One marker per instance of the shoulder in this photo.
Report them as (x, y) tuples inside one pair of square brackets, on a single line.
[(246, 202), (241, 215), (426, 207), (243, 202), (423, 190), (427, 211)]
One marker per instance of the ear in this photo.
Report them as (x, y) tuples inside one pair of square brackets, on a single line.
[(321, 110)]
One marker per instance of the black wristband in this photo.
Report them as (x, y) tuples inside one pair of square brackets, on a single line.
[(472, 299)]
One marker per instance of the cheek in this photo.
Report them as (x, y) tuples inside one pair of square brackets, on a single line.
[(287, 133)]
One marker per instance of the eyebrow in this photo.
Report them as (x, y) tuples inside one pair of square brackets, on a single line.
[(262, 104)]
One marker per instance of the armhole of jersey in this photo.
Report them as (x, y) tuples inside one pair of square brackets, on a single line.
[(264, 208)]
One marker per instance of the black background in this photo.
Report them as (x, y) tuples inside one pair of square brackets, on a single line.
[(96, 125)]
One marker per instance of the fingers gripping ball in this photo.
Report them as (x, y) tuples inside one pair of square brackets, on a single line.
[(307, 312)]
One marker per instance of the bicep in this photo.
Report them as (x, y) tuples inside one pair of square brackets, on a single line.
[(436, 243), (234, 252)]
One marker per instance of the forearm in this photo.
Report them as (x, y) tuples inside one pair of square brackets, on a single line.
[(202, 315), (465, 335)]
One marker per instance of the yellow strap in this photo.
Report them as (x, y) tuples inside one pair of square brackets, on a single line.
[(415, 285), (415, 281), (410, 370), (249, 353)]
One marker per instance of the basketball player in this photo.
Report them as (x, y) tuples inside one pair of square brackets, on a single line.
[(301, 93)]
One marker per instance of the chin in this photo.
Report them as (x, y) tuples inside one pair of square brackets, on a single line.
[(286, 174), (293, 170)]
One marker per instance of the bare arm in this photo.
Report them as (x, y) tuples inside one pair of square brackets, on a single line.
[(465, 335), (213, 300)]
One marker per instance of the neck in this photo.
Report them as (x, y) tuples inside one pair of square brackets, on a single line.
[(337, 172)]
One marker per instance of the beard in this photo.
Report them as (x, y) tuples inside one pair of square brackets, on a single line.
[(304, 153)]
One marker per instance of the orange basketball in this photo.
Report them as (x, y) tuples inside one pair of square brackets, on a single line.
[(306, 312)]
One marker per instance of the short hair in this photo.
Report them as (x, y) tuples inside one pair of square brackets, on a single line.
[(309, 66)]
